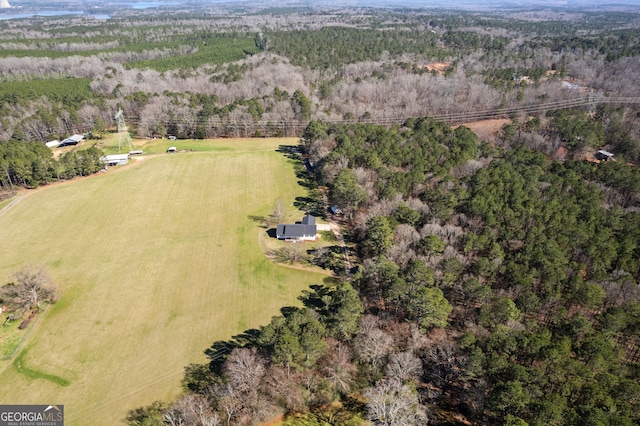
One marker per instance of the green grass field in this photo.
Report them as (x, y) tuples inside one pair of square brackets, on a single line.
[(155, 261)]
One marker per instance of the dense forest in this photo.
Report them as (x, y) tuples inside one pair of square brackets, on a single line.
[(494, 279), (494, 286), (31, 164)]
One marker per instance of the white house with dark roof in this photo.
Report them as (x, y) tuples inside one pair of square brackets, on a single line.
[(304, 231)]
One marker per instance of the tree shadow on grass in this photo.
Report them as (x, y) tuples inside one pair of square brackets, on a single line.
[(258, 219), (287, 311), (220, 350), (290, 151), (307, 184), (310, 205)]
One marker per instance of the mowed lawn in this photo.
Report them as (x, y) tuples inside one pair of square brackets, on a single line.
[(155, 261)]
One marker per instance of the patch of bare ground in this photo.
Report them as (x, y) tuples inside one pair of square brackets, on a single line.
[(139, 158), (487, 130), (275, 421), (590, 157), (439, 67)]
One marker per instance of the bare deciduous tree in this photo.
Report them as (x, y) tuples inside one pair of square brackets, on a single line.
[(244, 370), (277, 211), (228, 403), (404, 366), (337, 368), (372, 345), (31, 286), (284, 388), (290, 253), (391, 402), (320, 148), (442, 361), (240, 398)]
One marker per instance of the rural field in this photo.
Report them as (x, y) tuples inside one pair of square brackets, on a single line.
[(155, 261)]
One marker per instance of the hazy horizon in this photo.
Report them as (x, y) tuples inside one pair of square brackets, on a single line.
[(464, 4)]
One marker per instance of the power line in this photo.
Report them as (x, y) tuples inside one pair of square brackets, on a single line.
[(123, 133), (590, 102)]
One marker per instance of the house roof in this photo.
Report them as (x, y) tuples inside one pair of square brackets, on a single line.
[(116, 157), (295, 230), (308, 220), (74, 138)]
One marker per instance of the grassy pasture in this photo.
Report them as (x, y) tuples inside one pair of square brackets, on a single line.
[(155, 261)]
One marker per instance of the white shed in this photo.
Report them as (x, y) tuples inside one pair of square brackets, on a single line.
[(115, 159)]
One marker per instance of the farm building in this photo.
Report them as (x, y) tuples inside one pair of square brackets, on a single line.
[(115, 159), (71, 140), (52, 144), (603, 155), (304, 231)]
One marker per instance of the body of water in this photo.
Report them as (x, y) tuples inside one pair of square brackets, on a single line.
[(149, 5), (49, 13), (138, 6)]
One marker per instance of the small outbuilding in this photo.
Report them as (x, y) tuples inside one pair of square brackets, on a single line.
[(603, 155), (115, 159), (71, 140), (304, 231), (52, 144)]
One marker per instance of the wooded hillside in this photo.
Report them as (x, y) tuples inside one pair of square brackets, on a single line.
[(271, 71)]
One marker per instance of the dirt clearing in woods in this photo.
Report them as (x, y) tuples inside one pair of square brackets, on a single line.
[(487, 129), (438, 66)]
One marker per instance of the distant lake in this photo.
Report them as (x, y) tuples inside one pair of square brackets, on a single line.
[(44, 13), (59, 12), (148, 5), (49, 13), (138, 6)]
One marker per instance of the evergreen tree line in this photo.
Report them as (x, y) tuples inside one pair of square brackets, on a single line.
[(31, 164)]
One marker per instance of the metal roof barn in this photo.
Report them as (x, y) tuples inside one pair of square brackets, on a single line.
[(115, 159), (72, 140)]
